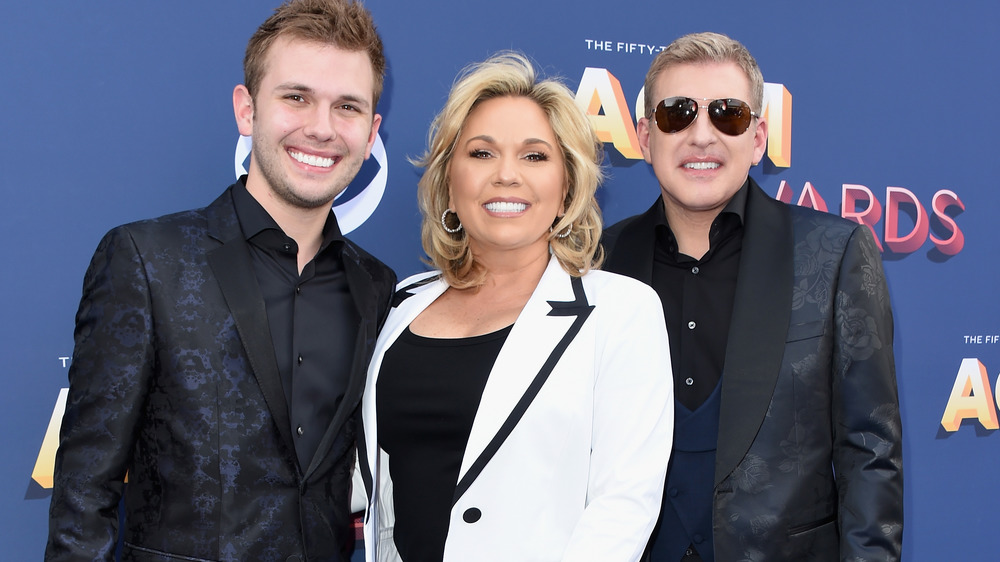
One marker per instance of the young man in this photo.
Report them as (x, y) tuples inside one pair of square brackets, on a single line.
[(221, 352), (787, 433)]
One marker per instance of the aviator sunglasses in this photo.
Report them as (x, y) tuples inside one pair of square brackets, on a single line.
[(730, 116)]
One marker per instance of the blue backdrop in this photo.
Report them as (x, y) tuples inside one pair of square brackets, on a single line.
[(117, 111)]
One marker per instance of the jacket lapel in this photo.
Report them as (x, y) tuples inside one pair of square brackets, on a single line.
[(758, 329), (232, 268), (548, 323), (365, 301), (631, 252)]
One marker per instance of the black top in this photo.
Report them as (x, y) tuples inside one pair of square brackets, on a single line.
[(312, 319), (697, 297), (428, 392)]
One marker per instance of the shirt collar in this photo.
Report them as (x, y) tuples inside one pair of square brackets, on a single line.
[(733, 212), (254, 219), (738, 204)]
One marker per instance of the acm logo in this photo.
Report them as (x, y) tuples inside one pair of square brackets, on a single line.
[(970, 397), (602, 98), (41, 475)]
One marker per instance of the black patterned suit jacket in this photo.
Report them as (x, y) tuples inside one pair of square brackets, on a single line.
[(809, 462), (174, 382)]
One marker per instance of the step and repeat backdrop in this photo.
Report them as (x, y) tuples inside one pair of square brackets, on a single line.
[(883, 113)]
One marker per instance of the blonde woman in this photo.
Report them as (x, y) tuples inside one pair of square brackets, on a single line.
[(519, 403)]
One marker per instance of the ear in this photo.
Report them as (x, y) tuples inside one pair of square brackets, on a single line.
[(243, 110), (642, 131), (759, 140), (376, 121)]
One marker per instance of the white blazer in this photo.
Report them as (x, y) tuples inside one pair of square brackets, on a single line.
[(571, 470)]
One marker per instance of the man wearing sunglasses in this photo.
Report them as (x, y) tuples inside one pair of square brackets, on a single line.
[(787, 431)]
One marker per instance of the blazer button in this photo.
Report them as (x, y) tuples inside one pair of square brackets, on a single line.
[(472, 515)]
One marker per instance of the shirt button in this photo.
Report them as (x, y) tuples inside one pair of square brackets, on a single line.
[(299, 430), (689, 381), (695, 270), (698, 539), (300, 359), (286, 247), (691, 325), (298, 290)]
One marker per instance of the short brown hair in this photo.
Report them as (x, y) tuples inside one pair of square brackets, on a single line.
[(706, 47), (511, 74), (345, 24)]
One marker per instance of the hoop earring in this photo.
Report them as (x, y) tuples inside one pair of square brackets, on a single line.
[(565, 233), (444, 222)]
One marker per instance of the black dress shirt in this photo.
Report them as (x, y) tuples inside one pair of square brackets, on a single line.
[(312, 318), (697, 297)]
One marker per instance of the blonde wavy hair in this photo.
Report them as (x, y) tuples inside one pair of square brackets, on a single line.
[(510, 74)]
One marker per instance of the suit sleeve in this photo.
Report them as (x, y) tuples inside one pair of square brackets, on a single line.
[(109, 376), (867, 452), (632, 430)]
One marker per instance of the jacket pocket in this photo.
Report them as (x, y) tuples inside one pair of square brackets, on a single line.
[(801, 529), (806, 330), (135, 552)]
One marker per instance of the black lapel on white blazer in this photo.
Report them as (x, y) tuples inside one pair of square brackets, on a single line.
[(578, 307)]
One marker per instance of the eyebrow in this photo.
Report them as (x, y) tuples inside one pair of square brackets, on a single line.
[(294, 87), (526, 142)]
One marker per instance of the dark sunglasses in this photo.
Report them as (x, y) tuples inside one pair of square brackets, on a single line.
[(730, 116)]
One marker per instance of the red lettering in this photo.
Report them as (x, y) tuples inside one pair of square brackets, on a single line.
[(941, 201), (894, 197), (860, 205), (811, 198), (869, 216), (784, 192)]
